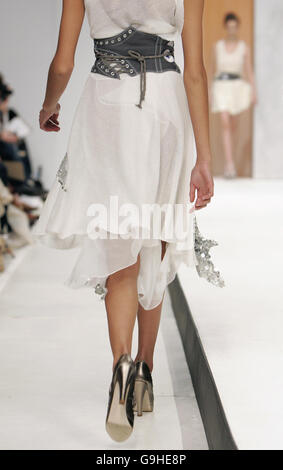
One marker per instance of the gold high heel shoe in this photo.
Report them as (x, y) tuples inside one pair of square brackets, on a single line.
[(143, 393), (120, 416)]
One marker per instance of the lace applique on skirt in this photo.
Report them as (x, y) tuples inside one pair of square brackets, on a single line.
[(62, 172), (205, 266)]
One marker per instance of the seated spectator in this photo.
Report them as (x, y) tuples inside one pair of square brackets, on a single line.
[(13, 148), (3, 173), (13, 131), (15, 217)]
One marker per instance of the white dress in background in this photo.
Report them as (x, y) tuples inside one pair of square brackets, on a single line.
[(234, 95), (117, 149)]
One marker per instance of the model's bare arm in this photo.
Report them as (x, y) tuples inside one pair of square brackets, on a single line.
[(62, 65), (212, 70), (213, 61), (250, 72), (195, 81)]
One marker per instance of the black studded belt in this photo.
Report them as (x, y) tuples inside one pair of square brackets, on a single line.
[(134, 52), (227, 76)]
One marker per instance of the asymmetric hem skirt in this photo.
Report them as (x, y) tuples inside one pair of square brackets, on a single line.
[(120, 159)]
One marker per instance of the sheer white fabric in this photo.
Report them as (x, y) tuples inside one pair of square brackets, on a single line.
[(116, 149)]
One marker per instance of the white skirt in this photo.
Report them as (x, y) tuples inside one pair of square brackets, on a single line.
[(137, 156), (233, 96)]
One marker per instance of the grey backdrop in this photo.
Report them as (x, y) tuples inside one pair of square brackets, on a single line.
[(268, 122)]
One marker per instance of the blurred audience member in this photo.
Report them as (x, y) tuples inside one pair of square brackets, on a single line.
[(3, 173), (13, 131), (15, 218), (13, 146)]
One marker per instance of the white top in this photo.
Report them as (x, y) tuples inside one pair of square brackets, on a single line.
[(231, 62), (109, 17)]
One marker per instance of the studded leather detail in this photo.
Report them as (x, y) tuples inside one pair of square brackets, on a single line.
[(134, 52), (119, 38)]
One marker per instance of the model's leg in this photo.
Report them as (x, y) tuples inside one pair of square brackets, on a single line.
[(121, 304), (148, 324), (226, 127), (234, 124)]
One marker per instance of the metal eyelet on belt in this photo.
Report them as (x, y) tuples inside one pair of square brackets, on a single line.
[(169, 57), (115, 39)]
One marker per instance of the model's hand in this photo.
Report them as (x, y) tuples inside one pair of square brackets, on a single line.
[(202, 182), (48, 119)]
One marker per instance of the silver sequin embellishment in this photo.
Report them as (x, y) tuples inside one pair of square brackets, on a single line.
[(100, 290), (205, 266), (62, 172)]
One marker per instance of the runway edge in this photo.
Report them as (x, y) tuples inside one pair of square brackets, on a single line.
[(218, 433)]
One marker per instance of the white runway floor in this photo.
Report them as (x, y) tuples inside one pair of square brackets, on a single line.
[(241, 325), (55, 366)]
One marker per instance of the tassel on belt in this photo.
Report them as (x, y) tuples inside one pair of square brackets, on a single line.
[(107, 59)]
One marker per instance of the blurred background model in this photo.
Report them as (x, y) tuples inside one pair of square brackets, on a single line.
[(229, 52), (231, 93)]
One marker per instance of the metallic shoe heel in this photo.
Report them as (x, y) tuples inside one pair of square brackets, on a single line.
[(120, 416), (123, 379), (143, 392), (140, 389)]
